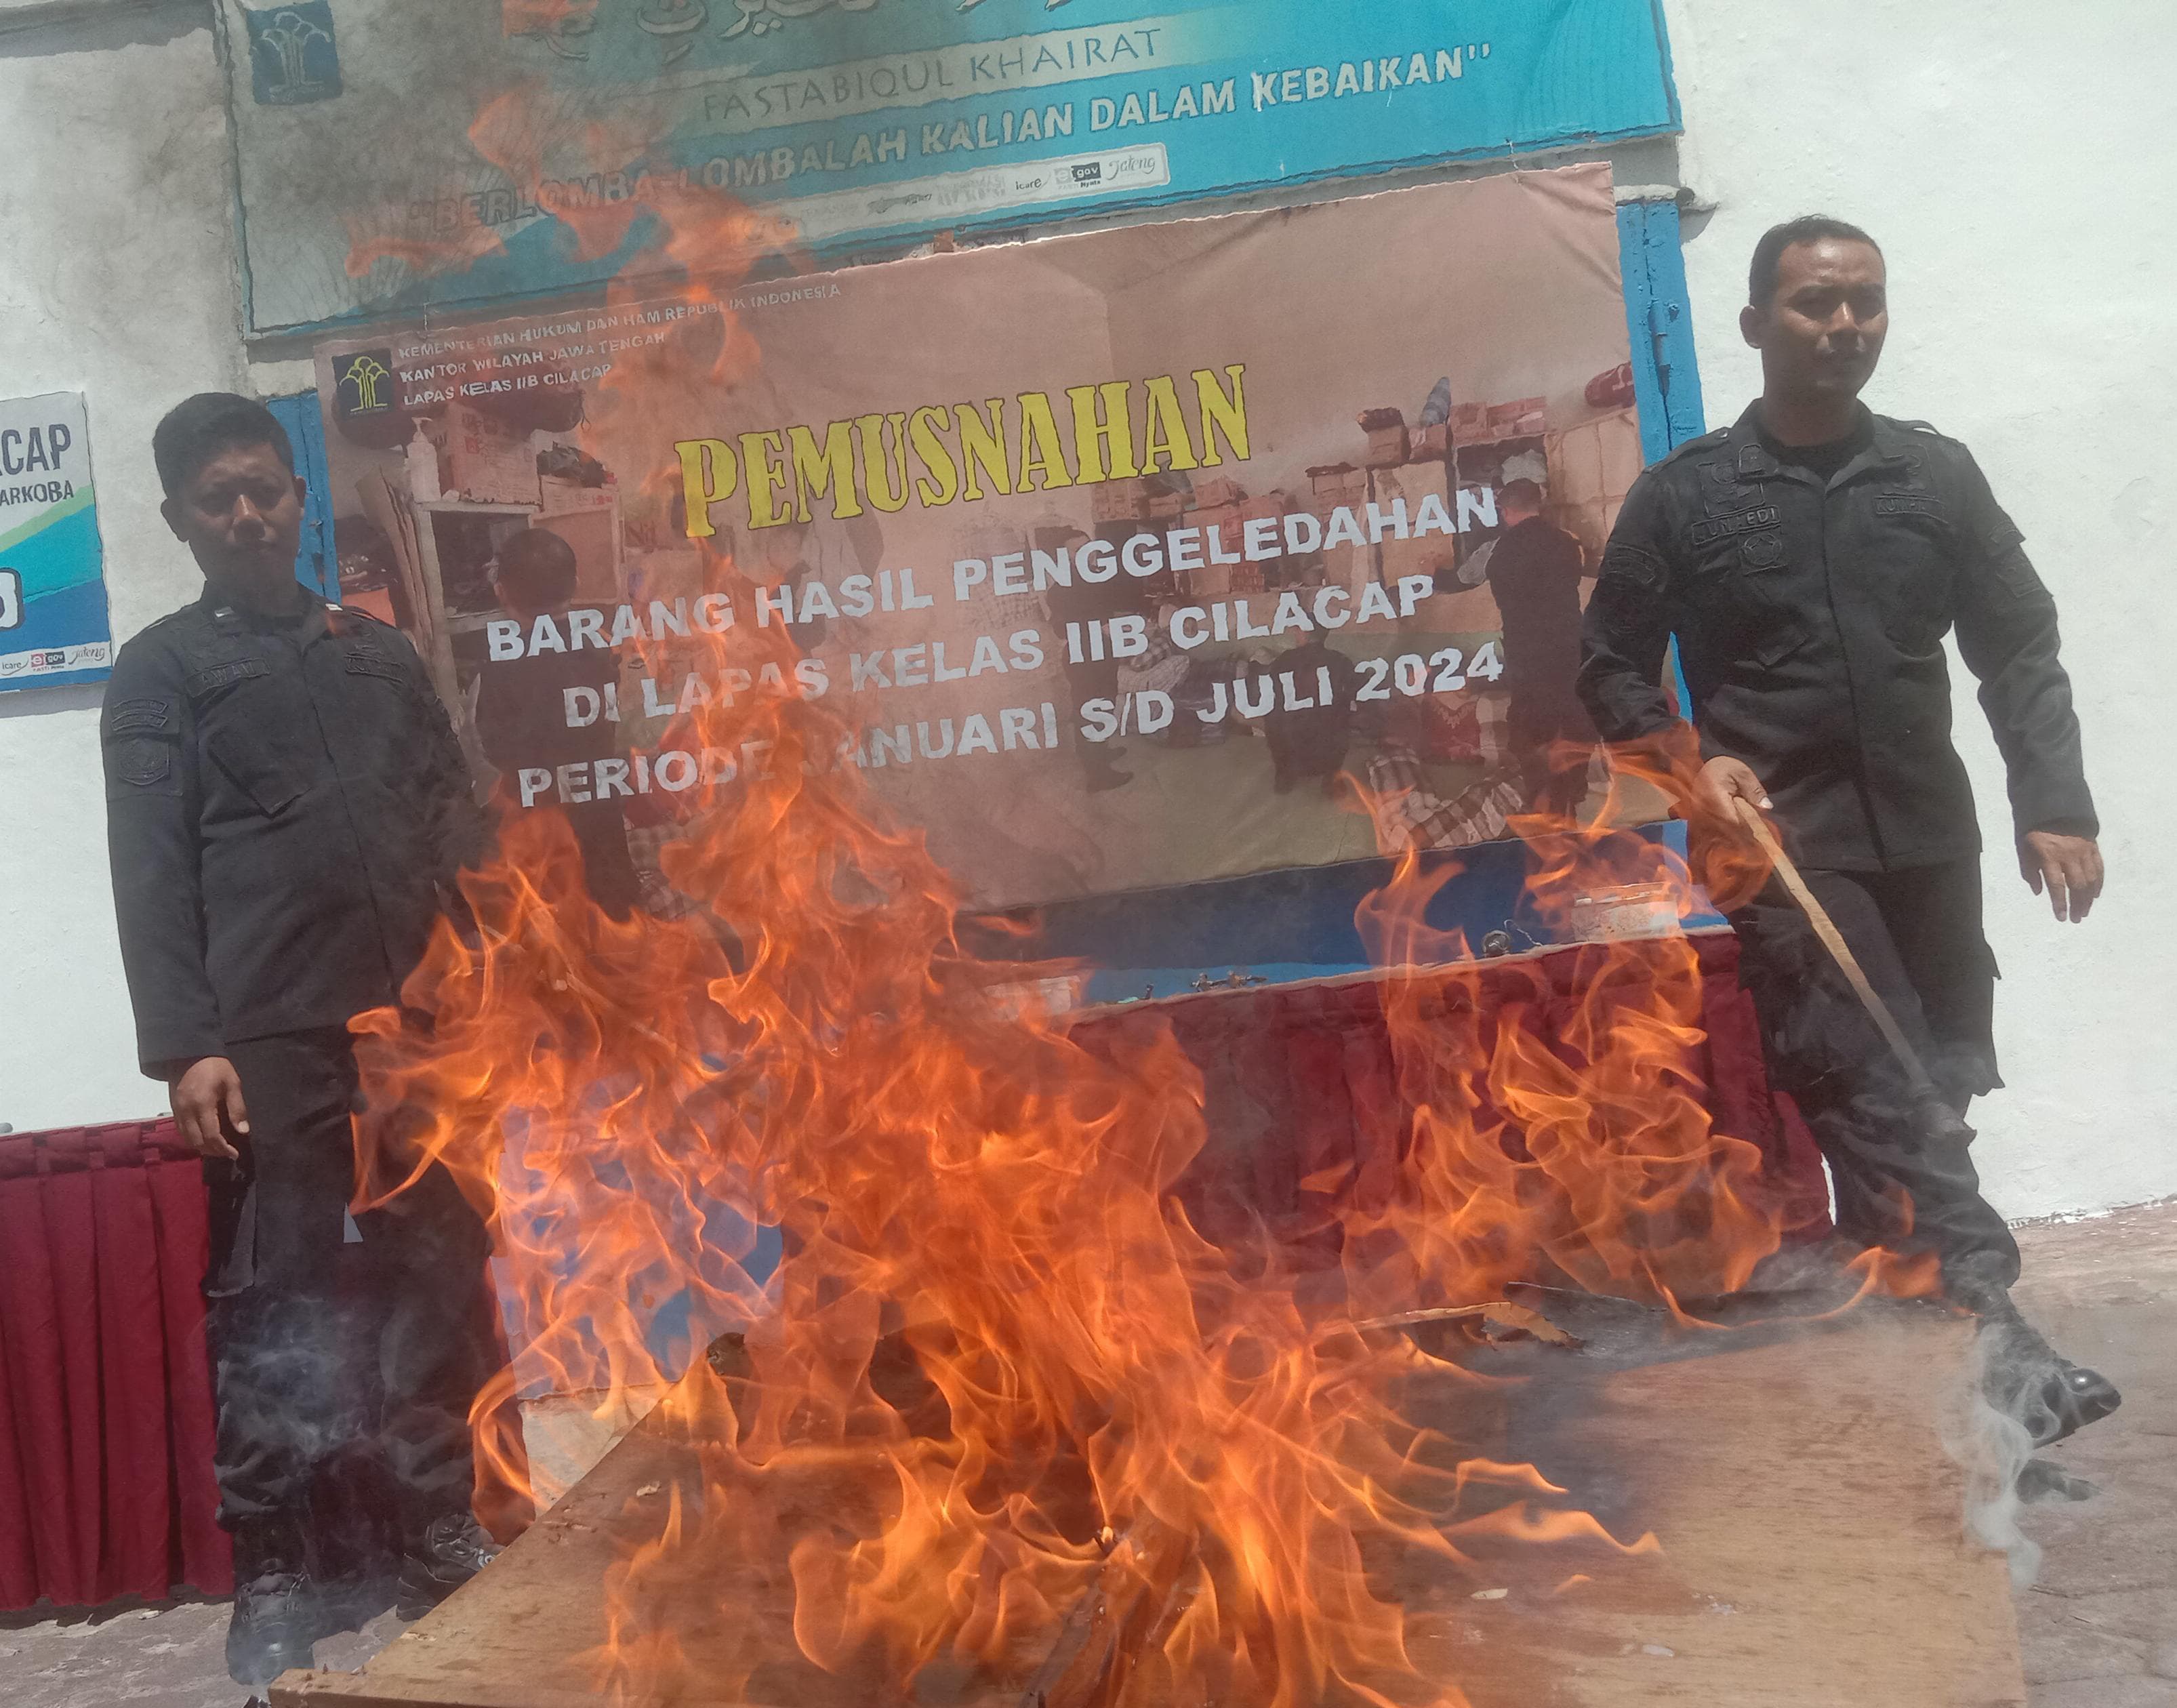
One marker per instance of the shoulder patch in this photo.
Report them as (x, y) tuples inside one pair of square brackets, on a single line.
[(141, 760), (148, 716), (1634, 564), (2017, 577)]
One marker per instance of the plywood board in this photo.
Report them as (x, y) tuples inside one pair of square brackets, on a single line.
[(1812, 1549)]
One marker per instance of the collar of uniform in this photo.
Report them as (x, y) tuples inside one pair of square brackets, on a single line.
[(230, 616), (1750, 456), (1893, 445), (1888, 445)]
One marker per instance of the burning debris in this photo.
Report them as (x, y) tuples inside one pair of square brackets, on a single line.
[(1010, 1421), (1048, 1414)]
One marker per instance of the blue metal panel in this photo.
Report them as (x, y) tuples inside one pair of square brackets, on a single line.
[(317, 567), (1666, 375)]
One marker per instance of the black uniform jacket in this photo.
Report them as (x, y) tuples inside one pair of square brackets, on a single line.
[(285, 805), (1810, 619)]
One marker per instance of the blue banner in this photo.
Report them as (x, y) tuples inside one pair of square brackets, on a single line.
[(868, 124), (53, 628)]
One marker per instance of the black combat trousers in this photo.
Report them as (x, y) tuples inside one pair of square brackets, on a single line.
[(1901, 1181), (332, 1350)]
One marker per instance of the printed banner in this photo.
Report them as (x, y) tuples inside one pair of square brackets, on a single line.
[(53, 626), (429, 155), (1129, 554)]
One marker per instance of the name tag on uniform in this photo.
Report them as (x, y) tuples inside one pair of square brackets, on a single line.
[(367, 658), (219, 675), (1766, 515), (1908, 503)]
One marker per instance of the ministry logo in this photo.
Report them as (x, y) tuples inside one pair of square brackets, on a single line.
[(293, 58), (363, 382)]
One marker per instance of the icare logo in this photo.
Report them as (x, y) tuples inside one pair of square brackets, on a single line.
[(11, 599)]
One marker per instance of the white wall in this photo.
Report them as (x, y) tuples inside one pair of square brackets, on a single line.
[(2012, 158), (2010, 165), (116, 280)]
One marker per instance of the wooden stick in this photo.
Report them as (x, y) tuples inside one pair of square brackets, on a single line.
[(1497, 1313), (1833, 941), (1098, 1643)]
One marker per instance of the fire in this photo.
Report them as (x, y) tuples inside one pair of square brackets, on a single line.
[(610, 193), (1578, 1150), (1099, 1402), (1001, 1400)]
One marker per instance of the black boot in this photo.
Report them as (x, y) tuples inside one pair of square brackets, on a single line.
[(2026, 1378), (450, 1550), (275, 1620)]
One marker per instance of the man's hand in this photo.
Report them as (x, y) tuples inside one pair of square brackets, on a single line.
[(2068, 867), (1722, 781), (207, 1100)]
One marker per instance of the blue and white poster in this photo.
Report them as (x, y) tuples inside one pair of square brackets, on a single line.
[(53, 626), (501, 148)]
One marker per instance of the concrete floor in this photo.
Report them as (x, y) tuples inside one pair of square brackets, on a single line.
[(2099, 1626)]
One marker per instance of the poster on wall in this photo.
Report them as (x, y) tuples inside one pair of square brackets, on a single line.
[(53, 625), (400, 155), (1205, 548)]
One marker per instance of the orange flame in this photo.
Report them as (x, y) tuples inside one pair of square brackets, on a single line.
[(1115, 1406), (999, 1383)]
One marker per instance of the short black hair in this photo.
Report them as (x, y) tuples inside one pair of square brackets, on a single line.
[(1526, 493), (539, 567), (1808, 228), (197, 428)]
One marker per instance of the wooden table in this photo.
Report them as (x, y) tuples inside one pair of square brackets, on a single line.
[(1811, 1523)]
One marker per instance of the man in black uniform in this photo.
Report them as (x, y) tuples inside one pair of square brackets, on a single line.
[(1535, 570), (1810, 559), (286, 809)]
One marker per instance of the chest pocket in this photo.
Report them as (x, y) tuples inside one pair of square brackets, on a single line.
[(256, 766), (1740, 577), (1915, 559), (391, 709), (239, 707)]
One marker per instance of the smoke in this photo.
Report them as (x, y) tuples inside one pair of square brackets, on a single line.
[(1993, 1450)]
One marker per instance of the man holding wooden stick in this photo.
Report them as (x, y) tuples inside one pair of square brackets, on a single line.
[(1809, 559)]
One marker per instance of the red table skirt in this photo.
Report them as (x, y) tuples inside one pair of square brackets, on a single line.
[(1302, 1099), (106, 1415)]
